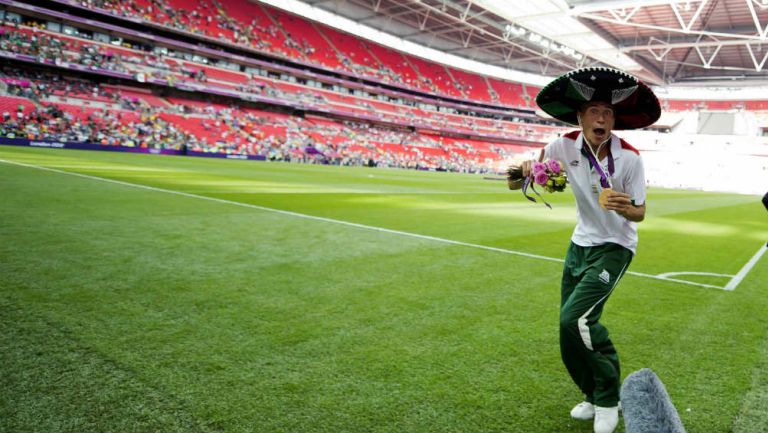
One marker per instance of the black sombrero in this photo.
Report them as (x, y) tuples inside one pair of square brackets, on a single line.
[(635, 106)]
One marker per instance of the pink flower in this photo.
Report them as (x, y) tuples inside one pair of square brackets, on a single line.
[(541, 177), (539, 167), (554, 166)]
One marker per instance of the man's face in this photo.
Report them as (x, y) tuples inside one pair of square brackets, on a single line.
[(596, 120)]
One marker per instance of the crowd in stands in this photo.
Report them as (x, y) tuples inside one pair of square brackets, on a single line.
[(259, 28), (50, 122), (31, 38), (206, 18), (46, 48), (78, 110), (347, 122), (47, 106), (150, 130), (39, 86)]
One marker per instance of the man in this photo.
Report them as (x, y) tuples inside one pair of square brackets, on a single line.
[(607, 178)]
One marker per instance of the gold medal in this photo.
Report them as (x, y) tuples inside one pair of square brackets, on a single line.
[(603, 199)]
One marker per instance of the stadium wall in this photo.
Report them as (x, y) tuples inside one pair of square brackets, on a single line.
[(724, 163)]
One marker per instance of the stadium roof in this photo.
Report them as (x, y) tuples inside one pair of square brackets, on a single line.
[(665, 42)]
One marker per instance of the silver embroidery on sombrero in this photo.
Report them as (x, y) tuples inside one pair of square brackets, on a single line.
[(585, 91), (618, 95)]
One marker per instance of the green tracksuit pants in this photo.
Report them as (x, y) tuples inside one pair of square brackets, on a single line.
[(589, 276)]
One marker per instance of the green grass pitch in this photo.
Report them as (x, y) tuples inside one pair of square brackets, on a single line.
[(131, 309)]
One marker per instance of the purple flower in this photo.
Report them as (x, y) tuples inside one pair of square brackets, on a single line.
[(541, 177), (554, 166), (539, 167)]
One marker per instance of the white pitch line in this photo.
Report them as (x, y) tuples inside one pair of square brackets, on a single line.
[(341, 222), (676, 280), (284, 212), (709, 274), (746, 268)]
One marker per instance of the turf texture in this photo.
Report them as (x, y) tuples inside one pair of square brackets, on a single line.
[(195, 306)]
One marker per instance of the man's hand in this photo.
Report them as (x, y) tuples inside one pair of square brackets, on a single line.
[(527, 167), (621, 203), (516, 174)]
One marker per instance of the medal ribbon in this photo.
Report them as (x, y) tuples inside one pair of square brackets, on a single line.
[(604, 182), (529, 182)]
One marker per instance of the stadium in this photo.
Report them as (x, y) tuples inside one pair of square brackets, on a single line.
[(291, 216)]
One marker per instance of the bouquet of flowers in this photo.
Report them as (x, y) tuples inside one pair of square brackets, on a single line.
[(549, 174)]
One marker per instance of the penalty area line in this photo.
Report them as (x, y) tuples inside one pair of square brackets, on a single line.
[(746, 268), (664, 277), (351, 224)]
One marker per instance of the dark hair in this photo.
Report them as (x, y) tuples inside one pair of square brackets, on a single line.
[(587, 104)]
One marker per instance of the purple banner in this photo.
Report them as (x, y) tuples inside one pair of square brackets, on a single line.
[(95, 146), (227, 156), (15, 82), (82, 146)]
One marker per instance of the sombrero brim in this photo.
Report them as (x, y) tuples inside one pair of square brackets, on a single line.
[(634, 103)]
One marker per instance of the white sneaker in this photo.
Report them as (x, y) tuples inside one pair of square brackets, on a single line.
[(606, 419), (583, 411)]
